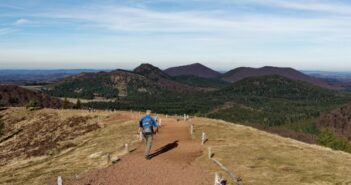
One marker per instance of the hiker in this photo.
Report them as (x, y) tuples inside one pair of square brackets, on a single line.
[(146, 126)]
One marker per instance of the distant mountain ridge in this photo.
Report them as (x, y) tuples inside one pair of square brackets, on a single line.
[(195, 69), (145, 79), (34, 77), (241, 73)]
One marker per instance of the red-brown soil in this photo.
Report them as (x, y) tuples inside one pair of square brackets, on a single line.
[(174, 162)]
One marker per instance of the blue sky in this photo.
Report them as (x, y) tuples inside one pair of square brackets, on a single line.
[(223, 34)]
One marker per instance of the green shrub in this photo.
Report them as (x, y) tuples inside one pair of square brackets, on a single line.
[(32, 104), (328, 138)]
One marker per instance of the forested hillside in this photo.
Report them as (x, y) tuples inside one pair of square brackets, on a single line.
[(274, 103)]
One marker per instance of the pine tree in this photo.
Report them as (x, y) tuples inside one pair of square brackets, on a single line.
[(65, 104), (78, 104)]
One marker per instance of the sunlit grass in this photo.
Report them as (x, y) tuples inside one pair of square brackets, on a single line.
[(82, 154), (262, 158)]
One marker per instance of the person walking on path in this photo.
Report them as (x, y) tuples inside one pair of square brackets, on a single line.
[(146, 126)]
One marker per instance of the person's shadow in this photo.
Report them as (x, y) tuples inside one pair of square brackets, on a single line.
[(164, 149)]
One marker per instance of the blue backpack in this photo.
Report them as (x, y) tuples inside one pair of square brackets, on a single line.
[(147, 126)]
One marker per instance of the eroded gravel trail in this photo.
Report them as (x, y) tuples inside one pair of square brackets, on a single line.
[(173, 163)]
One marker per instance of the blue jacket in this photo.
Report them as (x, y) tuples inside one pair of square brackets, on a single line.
[(147, 118)]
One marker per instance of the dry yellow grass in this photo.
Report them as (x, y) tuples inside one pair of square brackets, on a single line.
[(260, 158), (88, 152)]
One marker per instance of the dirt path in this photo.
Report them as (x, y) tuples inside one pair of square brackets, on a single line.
[(174, 153)]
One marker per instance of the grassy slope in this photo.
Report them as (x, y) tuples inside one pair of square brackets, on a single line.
[(260, 158), (84, 153)]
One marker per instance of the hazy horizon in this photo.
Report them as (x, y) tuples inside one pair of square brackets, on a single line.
[(224, 34), (110, 69)]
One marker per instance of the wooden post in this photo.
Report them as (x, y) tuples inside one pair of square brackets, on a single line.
[(126, 148), (216, 179), (191, 129), (203, 138), (160, 122), (184, 117), (219, 179), (108, 158), (209, 152), (166, 115), (59, 180)]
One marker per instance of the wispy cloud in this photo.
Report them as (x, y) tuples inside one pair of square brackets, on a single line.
[(217, 23), (308, 29), (21, 21), (4, 31), (334, 7)]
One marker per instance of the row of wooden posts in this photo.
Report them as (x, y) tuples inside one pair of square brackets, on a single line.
[(185, 116), (219, 180)]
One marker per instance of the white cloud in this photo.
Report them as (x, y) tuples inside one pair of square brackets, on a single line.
[(21, 22), (216, 23)]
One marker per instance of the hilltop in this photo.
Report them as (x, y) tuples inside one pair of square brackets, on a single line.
[(238, 74), (161, 78), (195, 69)]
